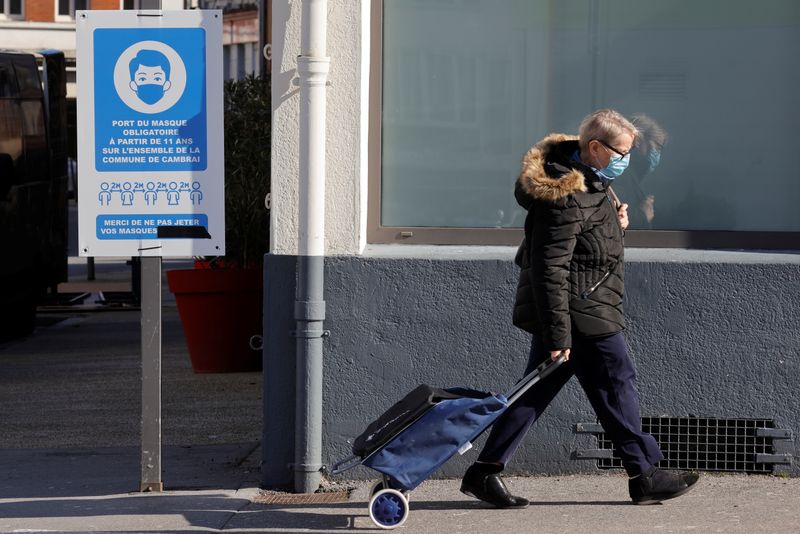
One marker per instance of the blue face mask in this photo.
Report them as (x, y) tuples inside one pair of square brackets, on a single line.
[(654, 158), (150, 93), (616, 166)]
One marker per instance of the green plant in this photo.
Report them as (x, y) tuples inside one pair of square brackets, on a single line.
[(247, 171)]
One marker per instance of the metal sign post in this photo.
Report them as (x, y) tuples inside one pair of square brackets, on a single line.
[(151, 169), (151, 375)]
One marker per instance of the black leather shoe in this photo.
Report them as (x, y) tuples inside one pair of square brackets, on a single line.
[(656, 485), (483, 482)]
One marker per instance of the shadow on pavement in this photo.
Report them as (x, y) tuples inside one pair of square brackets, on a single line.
[(208, 511), (58, 473)]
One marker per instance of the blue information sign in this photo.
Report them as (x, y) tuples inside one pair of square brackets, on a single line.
[(150, 136), (150, 99)]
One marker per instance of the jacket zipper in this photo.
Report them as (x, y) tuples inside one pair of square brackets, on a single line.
[(614, 207), (592, 289)]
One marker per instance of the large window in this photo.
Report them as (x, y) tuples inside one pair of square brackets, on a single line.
[(65, 9), (465, 87), (11, 9), (141, 4)]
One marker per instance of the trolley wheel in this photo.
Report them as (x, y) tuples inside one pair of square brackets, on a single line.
[(379, 486), (388, 508)]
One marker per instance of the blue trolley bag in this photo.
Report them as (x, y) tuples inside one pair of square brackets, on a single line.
[(448, 427), (419, 450)]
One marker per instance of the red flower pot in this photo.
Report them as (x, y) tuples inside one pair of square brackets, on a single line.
[(221, 311)]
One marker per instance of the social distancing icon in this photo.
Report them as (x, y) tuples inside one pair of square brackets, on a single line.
[(173, 193)]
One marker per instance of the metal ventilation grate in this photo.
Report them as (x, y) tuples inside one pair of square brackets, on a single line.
[(662, 85), (703, 444)]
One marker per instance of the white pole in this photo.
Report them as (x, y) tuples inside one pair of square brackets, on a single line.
[(312, 69)]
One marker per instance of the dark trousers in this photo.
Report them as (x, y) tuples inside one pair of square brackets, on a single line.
[(607, 376)]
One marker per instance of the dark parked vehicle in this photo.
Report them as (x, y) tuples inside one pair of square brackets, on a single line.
[(33, 184)]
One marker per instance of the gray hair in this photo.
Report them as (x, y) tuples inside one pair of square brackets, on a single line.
[(604, 125)]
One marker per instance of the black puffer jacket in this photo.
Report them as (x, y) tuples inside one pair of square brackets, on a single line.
[(572, 256)]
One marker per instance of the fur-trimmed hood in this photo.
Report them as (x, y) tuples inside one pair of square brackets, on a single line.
[(533, 180)]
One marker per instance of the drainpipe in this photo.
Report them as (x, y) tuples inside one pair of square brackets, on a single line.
[(309, 310)]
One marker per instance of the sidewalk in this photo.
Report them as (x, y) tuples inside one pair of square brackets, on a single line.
[(69, 457), (94, 489), (598, 504)]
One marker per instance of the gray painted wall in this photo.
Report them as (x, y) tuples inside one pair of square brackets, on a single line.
[(712, 334)]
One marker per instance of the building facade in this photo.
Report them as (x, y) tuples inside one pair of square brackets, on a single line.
[(242, 39), (430, 106), (31, 25)]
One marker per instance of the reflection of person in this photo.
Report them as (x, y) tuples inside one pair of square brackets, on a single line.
[(570, 298), (644, 159), (149, 75)]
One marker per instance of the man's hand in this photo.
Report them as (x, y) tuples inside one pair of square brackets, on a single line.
[(648, 207), (554, 354), (622, 213)]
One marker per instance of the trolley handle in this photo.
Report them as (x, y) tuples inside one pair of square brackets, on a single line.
[(542, 371), (343, 465)]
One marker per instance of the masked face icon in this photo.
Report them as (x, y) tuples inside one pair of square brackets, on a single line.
[(150, 76), (149, 83)]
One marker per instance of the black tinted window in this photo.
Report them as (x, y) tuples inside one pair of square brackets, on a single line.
[(8, 82), (27, 77), (35, 140)]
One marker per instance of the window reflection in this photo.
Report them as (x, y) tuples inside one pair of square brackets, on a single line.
[(468, 86)]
